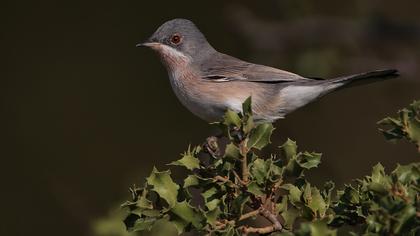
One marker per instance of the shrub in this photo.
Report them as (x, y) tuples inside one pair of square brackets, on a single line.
[(230, 189)]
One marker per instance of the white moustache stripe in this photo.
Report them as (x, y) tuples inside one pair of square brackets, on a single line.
[(173, 53)]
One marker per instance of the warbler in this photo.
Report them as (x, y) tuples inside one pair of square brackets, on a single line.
[(208, 82)]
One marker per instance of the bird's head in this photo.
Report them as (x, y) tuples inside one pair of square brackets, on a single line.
[(179, 40)]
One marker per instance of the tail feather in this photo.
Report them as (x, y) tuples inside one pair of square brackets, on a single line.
[(367, 77), (301, 93)]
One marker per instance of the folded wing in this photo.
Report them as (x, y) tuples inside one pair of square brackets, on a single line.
[(224, 68)]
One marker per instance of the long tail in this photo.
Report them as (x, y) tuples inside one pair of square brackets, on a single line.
[(299, 94), (365, 78)]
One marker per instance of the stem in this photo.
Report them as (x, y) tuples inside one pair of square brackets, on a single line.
[(223, 223), (238, 178), (263, 230), (276, 226), (249, 214), (245, 174), (224, 180), (244, 152), (272, 218)]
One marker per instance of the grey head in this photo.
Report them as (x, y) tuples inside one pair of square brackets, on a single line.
[(179, 36)]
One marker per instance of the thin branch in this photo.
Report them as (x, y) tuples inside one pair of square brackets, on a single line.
[(239, 178), (276, 226), (224, 180), (249, 215), (223, 223), (263, 230), (244, 152), (221, 178), (272, 218)]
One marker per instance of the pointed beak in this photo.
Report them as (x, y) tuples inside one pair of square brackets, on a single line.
[(147, 43)]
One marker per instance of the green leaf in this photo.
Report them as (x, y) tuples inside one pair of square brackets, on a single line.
[(150, 213), (211, 205), (320, 228), (238, 204), (191, 180), (283, 234), (165, 227), (283, 205), (188, 161), (407, 173), (176, 223), (143, 224), (406, 215), (317, 203), (379, 181), (255, 189), (307, 193), (293, 168), (249, 125), (232, 151), (164, 186), (232, 118), (289, 149), (259, 170), (350, 195), (407, 125), (308, 160), (188, 213), (246, 106), (130, 221), (295, 193), (290, 217), (143, 202), (213, 215), (209, 193), (260, 136)]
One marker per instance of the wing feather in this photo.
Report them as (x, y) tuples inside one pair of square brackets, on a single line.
[(224, 68)]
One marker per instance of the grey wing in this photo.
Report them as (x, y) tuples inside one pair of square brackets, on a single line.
[(223, 68)]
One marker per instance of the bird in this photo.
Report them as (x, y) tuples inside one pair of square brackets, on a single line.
[(208, 82)]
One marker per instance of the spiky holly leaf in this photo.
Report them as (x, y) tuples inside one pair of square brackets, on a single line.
[(406, 125), (164, 186), (289, 149), (231, 118), (260, 137), (260, 170), (188, 159), (188, 214)]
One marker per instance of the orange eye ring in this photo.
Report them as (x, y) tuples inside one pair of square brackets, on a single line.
[(176, 39)]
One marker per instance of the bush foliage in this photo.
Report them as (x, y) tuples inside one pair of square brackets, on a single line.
[(231, 189)]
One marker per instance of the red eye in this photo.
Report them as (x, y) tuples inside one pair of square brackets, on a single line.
[(175, 39)]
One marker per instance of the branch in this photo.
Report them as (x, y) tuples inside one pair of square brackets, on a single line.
[(272, 218), (221, 224), (225, 180), (276, 226), (244, 152), (249, 215), (264, 230), (238, 178)]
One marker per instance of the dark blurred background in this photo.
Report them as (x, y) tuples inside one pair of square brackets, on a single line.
[(85, 114)]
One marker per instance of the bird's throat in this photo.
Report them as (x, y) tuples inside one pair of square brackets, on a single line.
[(172, 58)]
